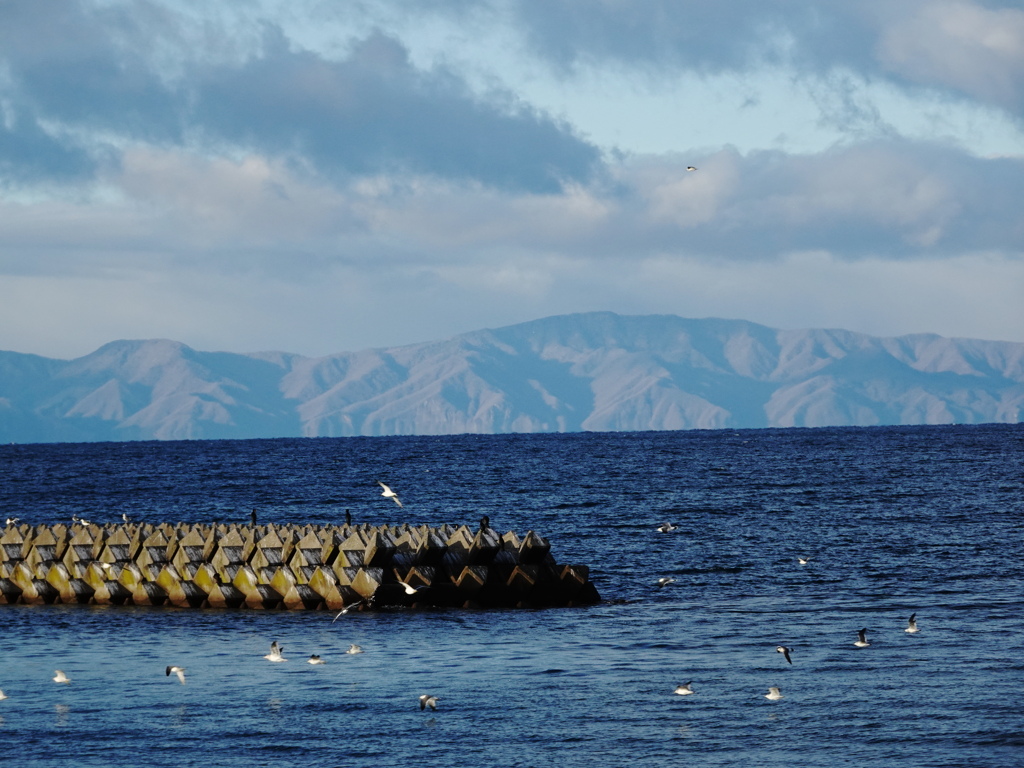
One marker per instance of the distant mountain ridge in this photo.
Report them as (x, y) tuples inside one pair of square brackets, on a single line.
[(596, 372)]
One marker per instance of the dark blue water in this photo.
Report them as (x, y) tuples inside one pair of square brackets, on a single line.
[(893, 521)]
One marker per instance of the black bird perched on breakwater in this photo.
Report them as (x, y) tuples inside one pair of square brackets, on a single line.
[(348, 517), (252, 516), (485, 523)]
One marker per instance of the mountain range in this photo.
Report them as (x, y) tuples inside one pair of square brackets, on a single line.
[(585, 372)]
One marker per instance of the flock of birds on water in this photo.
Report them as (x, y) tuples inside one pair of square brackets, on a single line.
[(774, 692), (429, 700)]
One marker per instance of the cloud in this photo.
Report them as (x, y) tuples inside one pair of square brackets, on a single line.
[(963, 46), (127, 77), (972, 50)]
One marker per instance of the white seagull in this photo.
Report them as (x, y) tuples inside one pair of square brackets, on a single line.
[(773, 694), (314, 659), (179, 671), (409, 588), (862, 639), (803, 560), (354, 649), (346, 609), (664, 581), (275, 653), (691, 168), (784, 651), (2, 695), (388, 493), (427, 700), (12, 520), (912, 624), (60, 677), (684, 689), (667, 527)]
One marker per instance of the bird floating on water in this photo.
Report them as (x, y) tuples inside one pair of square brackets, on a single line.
[(275, 653), (60, 677), (354, 649), (912, 624), (784, 651), (684, 689), (426, 700), (314, 659), (388, 493), (179, 671), (664, 581), (667, 527), (773, 694), (862, 638)]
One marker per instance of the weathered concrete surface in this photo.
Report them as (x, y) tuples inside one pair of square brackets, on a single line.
[(270, 567)]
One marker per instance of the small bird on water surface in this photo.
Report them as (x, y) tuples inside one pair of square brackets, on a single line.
[(60, 677), (426, 700), (684, 689), (354, 649), (388, 493), (862, 638), (784, 651), (179, 671), (314, 659), (773, 694), (912, 624), (275, 653)]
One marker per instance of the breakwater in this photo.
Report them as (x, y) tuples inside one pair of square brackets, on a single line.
[(295, 567)]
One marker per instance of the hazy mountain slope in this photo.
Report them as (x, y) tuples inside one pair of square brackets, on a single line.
[(597, 371)]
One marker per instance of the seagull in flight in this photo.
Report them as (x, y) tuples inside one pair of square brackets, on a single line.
[(409, 588), (912, 624), (60, 677), (12, 520), (664, 581), (784, 651), (275, 653), (2, 695), (179, 671), (803, 560), (773, 694), (427, 700), (684, 689), (354, 649), (314, 659), (691, 168), (862, 639), (388, 493), (667, 527), (346, 609)]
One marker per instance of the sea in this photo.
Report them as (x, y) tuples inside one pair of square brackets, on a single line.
[(891, 521)]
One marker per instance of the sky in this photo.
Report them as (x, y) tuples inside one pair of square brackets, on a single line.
[(315, 176)]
